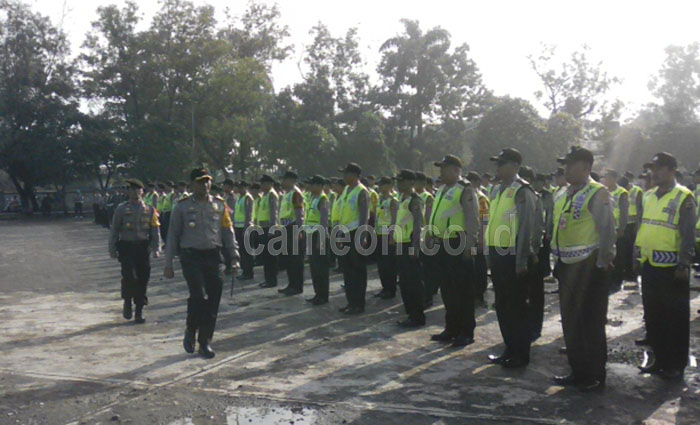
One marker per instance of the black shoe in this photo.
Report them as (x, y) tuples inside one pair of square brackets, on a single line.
[(344, 309), (319, 301), (387, 295), (126, 311), (590, 386), (496, 359), (139, 315), (355, 310), (442, 337), (311, 300), (562, 350), (653, 368), (462, 341), (411, 323), (427, 304), (379, 294), (644, 342), (671, 374), (283, 290), (565, 380), (206, 351), (268, 285), (188, 342), (515, 362), (292, 291)]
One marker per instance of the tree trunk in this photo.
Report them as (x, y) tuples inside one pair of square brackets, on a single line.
[(26, 195)]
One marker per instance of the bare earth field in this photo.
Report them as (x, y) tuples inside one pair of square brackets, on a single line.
[(68, 357)]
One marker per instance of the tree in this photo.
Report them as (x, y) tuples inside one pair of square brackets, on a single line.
[(38, 106), (677, 83)]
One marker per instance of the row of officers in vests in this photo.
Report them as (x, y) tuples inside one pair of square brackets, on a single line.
[(446, 241)]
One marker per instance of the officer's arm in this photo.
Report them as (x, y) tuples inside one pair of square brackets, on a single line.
[(429, 207), (415, 208), (248, 211), (114, 232), (273, 210), (525, 208), (394, 210), (624, 210), (602, 211), (298, 202), (548, 203), (323, 209), (687, 220), (155, 232), (228, 238), (640, 206), (470, 207), (172, 243), (363, 205)]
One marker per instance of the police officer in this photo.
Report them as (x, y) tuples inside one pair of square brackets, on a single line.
[(387, 209), (151, 197), (584, 244), (407, 238), (428, 268), (635, 195), (200, 228), (266, 215), (134, 234), (316, 235), (453, 231), (292, 218), (480, 264), (665, 249), (354, 216), (165, 209), (620, 199), (543, 249), (508, 239), (338, 187), (242, 220)]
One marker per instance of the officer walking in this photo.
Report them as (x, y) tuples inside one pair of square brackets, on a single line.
[(200, 229), (292, 218), (387, 209), (354, 216), (453, 231), (266, 216), (134, 234), (509, 242), (316, 234), (242, 220), (665, 248), (584, 245), (407, 239)]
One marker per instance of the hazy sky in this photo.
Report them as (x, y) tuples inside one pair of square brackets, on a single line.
[(628, 36)]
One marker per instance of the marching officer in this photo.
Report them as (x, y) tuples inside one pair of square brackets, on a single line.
[(665, 248), (407, 239), (509, 242), (354, 216), (292, 218), (387, 208), (134, 234), (620, 198), (584, 244), (266, 216), (242, 220), (200, 229), (453, 231), (316, 234)]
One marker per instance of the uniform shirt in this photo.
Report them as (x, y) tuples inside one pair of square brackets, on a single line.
[(200, 225), (548, 207), (134, 221), (624, 210), (470, 208), (601, 208), (248, 211), (273, 210), (416, 211), (525, 207)]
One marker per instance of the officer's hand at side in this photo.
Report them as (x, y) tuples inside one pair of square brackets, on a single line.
[(168, 273), (682, 273)]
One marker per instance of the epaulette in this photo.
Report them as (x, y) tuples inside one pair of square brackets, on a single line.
[(465, 183), (523, 182)]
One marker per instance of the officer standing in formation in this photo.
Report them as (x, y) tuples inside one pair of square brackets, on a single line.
[(509, 237), (481, 278), (316, 234), (134, 234), (266, 219), (387, 208), (292, 218), (665, 249), (242, 222), (200, 229), (620, 200)]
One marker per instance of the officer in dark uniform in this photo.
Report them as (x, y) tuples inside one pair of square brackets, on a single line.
[(134, 234), (200, 228)]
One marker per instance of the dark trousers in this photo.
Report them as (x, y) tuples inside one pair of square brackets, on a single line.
[(535, 294), (386, 264), (354, 275), (456, 277), (269, 261), (319, 265), (543, 255), (628, 251), (618, 273), (204, 281), (511, 304), (78, 208), (583, 298), (136, 270), (481, 279), (430, 276), (411, 286), (293, 258), (667, 312), (164, 225), (244, 250)]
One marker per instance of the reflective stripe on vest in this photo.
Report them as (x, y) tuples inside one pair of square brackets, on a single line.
[(313, 213), (350, 210), (575, 236), (634, 193), (263, 213), (659, 238), (447, 218), (615, 195), (502, 229), (384, 215), (239, 215), (404, 221)]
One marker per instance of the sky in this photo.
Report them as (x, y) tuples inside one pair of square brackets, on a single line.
[(629, 37)]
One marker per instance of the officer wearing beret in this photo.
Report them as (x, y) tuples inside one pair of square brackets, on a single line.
[(134, 234), (200, 229)]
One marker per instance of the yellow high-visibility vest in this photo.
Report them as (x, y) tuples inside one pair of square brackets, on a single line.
[(575, 236), (447, 218), (350, 210), (502, 229)]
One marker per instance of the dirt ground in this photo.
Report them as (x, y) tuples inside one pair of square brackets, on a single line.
[(68, 357)]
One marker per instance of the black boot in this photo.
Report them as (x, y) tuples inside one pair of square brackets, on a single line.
[(139, 315), (126, 311), (188, 342)]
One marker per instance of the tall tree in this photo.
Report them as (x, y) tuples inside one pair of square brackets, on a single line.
[(677, 84)]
